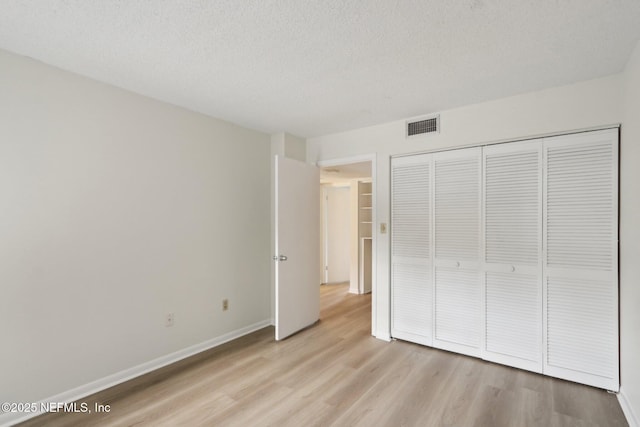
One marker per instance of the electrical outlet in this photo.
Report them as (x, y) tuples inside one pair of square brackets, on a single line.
[(225, 304), (168, 320)]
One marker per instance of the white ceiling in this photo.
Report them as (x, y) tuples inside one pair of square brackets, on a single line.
[(344, 173), (315, 67)]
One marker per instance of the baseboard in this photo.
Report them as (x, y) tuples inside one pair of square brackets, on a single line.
[(9, 419), (384, 337), (627, 409)]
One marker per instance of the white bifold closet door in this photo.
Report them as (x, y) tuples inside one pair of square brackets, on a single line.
[(411, 243), (513, 254), (580, 234), (510, 253), (456, 236)]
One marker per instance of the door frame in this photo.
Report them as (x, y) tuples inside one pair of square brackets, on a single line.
[(374, 226)]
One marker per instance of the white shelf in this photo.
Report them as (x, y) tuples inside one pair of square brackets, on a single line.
[(365, 226)]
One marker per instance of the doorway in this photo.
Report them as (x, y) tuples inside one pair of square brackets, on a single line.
[(347, 190), (293, 242)]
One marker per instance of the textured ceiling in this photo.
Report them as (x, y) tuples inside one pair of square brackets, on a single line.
[(345, 173), (313, 67)]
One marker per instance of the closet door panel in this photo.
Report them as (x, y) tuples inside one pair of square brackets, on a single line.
[(457, 322), (411, 266), (581, 258), (412, 302), (513, 249), (457, 279), (457, 207), (580, 336), (513, 319)]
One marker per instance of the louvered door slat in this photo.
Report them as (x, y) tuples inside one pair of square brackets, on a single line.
[(513, 321), (457, 210), (513, 223), (580, 272), (412, 302), (410, 210), (581, 336), (457, 213), (457, 308), (411, 271)]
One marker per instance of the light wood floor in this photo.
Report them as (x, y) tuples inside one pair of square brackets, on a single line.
[(336, 374)]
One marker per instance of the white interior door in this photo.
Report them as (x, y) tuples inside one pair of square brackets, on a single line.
[(457, 279), (581, 258), (513, 253), (297, 245), (411, 247)]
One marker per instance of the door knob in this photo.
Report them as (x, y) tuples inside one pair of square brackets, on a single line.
[(280, 258)]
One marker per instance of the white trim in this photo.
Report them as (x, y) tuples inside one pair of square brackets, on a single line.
[(407, 336), (325, 236), (385, 335), (627, 409), (8, 419)]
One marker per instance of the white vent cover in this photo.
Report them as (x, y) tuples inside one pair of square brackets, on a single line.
[(425, 125)]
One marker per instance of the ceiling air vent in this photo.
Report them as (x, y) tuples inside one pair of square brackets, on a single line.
[(423, 126)]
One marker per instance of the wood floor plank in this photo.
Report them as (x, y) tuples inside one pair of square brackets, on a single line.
[(420, 397), (458, 396), (535, 409), (373, 405), (336, 374), (494, 407)]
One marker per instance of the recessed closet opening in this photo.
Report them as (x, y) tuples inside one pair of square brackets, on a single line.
[(509, 253)]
